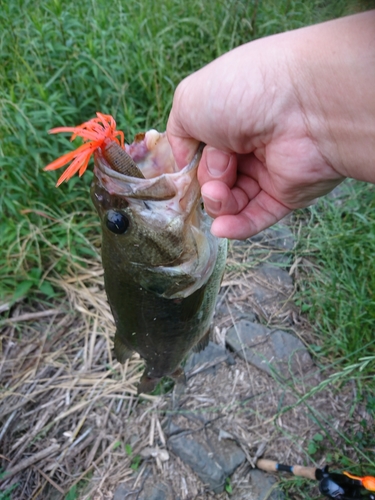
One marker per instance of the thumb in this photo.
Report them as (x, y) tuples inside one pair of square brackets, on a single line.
[(183, 149), (183, 145), (182, 132)]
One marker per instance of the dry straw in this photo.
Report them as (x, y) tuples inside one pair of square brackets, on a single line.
[(71, 416)]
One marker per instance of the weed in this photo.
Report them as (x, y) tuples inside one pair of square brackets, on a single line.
[(135, 459), (72, 493), (339, 242), (7, 494), (116, 445), (62, 62), (228, 486), (314, 445)]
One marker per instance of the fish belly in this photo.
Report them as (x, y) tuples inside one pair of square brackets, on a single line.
[(161, 330)]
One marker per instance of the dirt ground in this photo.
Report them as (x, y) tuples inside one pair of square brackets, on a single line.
[(72, 425)]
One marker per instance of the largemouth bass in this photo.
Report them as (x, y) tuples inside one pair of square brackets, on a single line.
[(162, 266)]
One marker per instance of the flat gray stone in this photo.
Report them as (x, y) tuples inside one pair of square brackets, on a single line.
[(276, 275), (213, 352), (226, 309), (228, 454), (262, 484), (269, 289), (158, 491), (269, 350), (197, 457), (271, 286), (152, 490), (213, 462), (171, 428), (122, 492), (279, 237)]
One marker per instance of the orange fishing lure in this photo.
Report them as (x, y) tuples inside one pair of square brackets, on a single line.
[(368, 482), (94, 133)]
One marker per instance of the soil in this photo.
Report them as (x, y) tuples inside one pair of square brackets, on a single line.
[(74, 427)]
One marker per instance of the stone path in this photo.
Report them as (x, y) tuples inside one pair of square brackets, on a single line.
[(236, 384)]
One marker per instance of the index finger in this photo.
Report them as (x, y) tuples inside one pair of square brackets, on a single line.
[(261, 212)]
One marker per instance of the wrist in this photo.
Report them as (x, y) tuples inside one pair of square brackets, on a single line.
[(335, 73)]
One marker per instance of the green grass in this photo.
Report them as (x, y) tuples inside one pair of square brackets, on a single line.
[(338, 292)]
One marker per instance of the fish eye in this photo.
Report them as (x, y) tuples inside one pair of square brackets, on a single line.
[(116, 222)]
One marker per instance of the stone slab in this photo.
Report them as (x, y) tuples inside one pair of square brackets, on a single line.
[(273, 351)]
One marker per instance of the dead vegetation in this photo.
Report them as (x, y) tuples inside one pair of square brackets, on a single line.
[(72, 422)]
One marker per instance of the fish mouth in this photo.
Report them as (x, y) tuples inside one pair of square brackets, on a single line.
[(156, 181)]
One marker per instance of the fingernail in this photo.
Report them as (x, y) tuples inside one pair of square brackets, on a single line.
[(211, 204), (217, 161)]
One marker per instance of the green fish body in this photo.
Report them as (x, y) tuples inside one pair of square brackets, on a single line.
[(162, 266)]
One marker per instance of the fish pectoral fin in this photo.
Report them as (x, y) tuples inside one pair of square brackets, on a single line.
[(122, 351), (203, 342)]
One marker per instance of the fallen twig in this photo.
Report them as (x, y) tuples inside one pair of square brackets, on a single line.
[(33, 315), (29, 461), (51, 481)]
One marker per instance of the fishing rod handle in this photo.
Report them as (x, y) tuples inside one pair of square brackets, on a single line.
[(297, 470)]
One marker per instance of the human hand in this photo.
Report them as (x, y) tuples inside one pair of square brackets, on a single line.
[(266, 113)]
